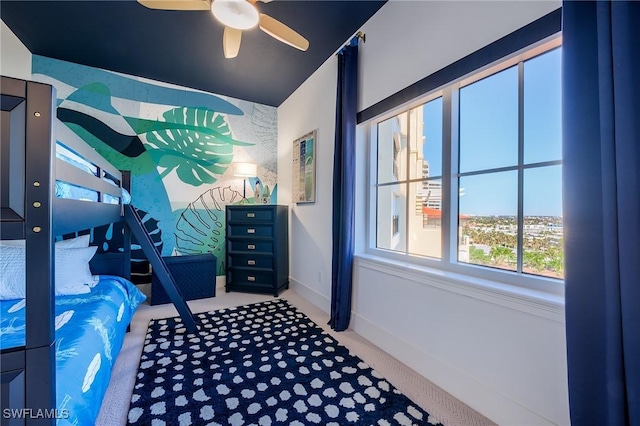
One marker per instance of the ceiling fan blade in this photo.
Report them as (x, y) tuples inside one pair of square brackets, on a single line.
[(177, 4), (280, 31), (231, 42)]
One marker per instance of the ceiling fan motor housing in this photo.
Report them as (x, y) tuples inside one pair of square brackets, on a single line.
[(238, 14)]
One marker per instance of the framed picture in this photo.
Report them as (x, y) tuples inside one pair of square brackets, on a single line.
[(304, 168)]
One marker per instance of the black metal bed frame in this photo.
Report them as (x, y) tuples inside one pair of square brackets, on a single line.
[(30, 211)]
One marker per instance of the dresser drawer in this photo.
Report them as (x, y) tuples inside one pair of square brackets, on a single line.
[(250, 215), (252, 246), (247, 276), (250, 230), (250, 261)]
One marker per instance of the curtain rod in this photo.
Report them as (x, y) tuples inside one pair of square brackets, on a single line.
[(359, 36)]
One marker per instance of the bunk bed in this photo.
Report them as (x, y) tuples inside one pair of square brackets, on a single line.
[(59, 339), (88, 322)]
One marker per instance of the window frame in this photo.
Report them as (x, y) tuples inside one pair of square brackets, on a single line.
[(448, 263)]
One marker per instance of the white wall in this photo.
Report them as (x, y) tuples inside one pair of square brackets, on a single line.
[(503, 355), (312, 106), (15, 58)]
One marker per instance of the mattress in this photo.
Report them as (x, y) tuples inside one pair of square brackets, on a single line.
[(89, 331)]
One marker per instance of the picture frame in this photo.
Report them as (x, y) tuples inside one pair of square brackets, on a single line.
[(304, 168)]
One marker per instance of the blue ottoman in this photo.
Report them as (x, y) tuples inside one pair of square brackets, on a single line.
[(195, 276)]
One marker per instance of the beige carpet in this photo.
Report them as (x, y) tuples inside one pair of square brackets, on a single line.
[(434, 400)]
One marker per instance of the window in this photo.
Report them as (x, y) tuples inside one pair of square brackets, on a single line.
[(415, 138), (469, 180)]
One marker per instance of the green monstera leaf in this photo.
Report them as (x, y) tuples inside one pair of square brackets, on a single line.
[(195, 142)]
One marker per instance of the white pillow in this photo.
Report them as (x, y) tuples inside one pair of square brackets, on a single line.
[(12, 274), (12, 243), (78, 242), (73, 275)]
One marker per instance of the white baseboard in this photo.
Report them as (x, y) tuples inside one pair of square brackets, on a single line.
[(482, 398), (311, 295), (220, 282)]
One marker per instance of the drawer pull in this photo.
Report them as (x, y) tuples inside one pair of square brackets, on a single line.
[(251, 262), (251, 215), (251, 278), (251, 246), (251, 231)]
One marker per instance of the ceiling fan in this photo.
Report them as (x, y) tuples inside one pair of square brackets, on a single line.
[(236, 15)]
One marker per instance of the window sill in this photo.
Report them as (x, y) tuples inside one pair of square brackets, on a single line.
[(542, 304)]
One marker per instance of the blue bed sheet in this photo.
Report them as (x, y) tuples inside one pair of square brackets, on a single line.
[(90, 330)]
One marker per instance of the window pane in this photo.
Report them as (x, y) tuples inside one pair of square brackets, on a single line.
[(543, 252), (488, 225), (425, 223), (391, 218), (392, 143), (542, 102), (425, 139), (489, 122)]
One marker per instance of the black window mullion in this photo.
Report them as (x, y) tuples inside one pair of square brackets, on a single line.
[(488, 171), (520, 218), (450, 181)]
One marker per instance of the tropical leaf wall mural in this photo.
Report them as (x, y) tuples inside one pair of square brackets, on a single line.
[(200, 227), (195, 142), (179, 145)]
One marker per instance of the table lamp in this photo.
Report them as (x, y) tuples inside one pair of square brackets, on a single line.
[(245, 170)]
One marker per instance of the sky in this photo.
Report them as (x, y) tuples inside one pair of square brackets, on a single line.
[(489, 139)]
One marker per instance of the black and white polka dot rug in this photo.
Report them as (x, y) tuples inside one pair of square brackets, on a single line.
[(260, 364)]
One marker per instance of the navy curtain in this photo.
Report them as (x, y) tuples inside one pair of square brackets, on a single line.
[(344, 165), (601, 174)]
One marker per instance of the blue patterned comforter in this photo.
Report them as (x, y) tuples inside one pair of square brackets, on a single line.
[(90, 329)]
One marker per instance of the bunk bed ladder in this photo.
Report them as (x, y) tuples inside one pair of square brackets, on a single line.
[(159, 267)]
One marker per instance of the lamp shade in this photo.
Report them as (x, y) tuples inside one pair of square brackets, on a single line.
[(238, 14), (245, 169)]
